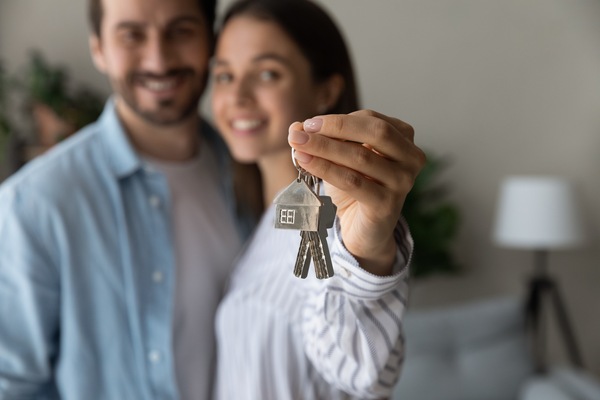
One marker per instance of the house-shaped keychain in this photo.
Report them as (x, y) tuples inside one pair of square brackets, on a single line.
[(297, 207)]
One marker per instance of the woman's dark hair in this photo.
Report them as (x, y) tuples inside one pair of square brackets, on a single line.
[(323, 46), (95, 13), (321, 42)]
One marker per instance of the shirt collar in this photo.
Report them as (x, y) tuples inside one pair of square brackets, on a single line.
[(122, 157)]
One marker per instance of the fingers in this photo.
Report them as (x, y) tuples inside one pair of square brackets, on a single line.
[(350, 154), (364, 126), (372, 162), (359, 150)]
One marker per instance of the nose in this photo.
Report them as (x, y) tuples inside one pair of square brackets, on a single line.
[(243, 91), (157, 56)]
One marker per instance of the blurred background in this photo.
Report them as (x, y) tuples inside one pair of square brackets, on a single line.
[(493, 89)]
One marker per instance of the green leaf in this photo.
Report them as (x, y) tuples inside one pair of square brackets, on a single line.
[(433, 220)]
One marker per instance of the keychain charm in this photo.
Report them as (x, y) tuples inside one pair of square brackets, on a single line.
[(300, 207)]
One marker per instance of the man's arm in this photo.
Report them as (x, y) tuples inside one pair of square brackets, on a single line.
[(29, 299)]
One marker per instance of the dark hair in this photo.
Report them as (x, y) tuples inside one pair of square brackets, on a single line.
[(95, 14), (321, 43)]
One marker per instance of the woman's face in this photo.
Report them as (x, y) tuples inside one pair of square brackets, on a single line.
[(261, 84)]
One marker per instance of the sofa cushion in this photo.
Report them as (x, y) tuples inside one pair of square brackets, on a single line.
[(541, 388), (465, 352)]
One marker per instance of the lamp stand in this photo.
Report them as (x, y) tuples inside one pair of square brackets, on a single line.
[(542, 286)]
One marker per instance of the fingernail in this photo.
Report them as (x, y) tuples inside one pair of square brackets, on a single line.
[(313, 124), (302, 157), (298, 137)]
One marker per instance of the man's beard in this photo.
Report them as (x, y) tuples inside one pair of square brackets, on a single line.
[(162, 113), (155, 117)]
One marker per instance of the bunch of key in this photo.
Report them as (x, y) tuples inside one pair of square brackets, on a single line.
[(300, 207)]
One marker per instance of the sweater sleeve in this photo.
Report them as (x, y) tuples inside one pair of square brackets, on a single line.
[(352, 322)]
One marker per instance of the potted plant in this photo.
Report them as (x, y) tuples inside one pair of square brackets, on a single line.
[(58, 110), (5, 125), (433, 222)]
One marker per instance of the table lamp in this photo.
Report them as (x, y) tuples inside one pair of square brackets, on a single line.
[(540, 213)]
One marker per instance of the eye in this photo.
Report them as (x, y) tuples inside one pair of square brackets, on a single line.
[(222, 78), (131, 36), (181, 32), (268, 75)]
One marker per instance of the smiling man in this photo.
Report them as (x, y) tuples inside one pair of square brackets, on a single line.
[(155, 54), (117, 243)]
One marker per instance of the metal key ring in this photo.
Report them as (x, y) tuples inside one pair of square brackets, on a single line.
[(294, 160), (301, 171), (304, 174)]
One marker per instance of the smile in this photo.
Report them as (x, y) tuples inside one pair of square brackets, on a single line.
[(245, 124), (164, 83), (159, 85)]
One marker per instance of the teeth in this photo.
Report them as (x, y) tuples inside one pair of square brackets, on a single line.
[(246, 124), (160, 85)]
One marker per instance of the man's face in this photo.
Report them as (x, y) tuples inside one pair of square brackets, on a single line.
[(155, 54)]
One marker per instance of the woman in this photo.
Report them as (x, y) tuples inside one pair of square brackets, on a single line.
[(280, 337)]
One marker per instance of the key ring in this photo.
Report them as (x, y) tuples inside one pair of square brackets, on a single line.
[(299, 168), (308, 177), (301, 171)]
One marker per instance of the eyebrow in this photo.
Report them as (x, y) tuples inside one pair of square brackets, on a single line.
[(259, 58), (175, 21), (271, 56)]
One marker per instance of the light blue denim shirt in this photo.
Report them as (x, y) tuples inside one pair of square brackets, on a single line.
[(82, 230)]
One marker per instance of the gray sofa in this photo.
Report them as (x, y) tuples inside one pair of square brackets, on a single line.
[(480, 352)]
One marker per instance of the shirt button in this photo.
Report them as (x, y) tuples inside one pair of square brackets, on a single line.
[(154, 356), (157, 276), (154, 201), (346, 273)]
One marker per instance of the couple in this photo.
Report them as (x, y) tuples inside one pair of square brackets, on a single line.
[(118, 249)]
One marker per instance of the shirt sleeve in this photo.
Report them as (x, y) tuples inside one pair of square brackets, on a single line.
[(352, 322), (29, 299)]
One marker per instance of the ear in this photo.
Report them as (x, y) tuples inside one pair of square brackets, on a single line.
[(97, 53), (329, 93)]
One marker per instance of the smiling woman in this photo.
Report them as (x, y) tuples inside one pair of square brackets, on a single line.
[(262, 82), (301, 339)]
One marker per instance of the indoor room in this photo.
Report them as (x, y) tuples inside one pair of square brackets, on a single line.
[(504, 99)]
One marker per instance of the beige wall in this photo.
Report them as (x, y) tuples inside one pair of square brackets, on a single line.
[(502, 87)]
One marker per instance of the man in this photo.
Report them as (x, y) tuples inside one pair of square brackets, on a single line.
[(91, 306), (114, 247)]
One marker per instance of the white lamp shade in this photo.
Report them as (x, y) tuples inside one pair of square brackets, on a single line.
[(538, 213)]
